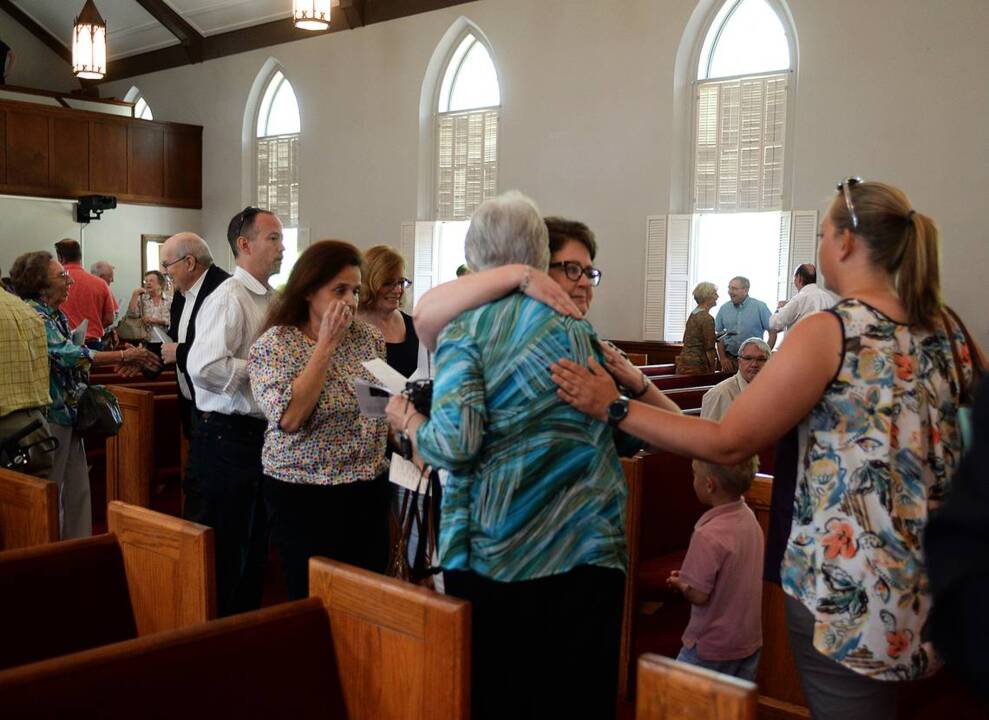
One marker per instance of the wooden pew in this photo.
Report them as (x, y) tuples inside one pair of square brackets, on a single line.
[(102, 376), (669, 690), (149, 574), (362, 646), (28, 511), (672, 382), (658, 370), (656, 352)]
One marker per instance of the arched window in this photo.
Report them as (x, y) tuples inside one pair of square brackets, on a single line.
[(278, 128), (467, 110), (141, 108), (737, 225)]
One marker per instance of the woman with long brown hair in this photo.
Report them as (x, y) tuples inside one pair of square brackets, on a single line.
[(323, 461), (874, 386)]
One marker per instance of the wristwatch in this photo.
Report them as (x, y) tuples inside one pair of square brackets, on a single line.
[(617, 410)]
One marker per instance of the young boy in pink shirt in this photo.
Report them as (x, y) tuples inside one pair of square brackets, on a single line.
[(721, 576)]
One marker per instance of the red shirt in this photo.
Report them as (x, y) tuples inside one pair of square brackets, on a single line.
[(725, 560), (89, 299)]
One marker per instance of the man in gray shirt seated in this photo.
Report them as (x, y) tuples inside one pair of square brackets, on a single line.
[(752, 355)]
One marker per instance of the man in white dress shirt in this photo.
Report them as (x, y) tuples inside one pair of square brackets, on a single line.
[(230, 427), (810, 298), (187, 260), (753, 354)]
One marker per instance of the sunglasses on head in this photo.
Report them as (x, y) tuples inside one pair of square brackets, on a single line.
[(845, 187), (246, 215)]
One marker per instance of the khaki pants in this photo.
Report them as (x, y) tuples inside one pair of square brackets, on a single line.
[(39, 462)]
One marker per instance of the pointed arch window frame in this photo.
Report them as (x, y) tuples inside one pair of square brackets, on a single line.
[(136, 97), (285, 146), (272, 89), (479, 125), (719, 22)]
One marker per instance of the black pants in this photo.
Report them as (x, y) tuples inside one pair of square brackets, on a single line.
[(192, 493), (347, 522), (228, 461), (545, 648)]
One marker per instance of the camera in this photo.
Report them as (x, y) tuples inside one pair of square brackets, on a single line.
[(420, 394), (90, 207)]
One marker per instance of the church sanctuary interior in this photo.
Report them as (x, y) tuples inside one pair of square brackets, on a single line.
[(216, 213)]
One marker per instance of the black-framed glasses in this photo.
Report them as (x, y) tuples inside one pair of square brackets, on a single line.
[(246, 215), (166, 265), (404, 283), (754, 358), (64, 275), (845, 187), (573, 270)]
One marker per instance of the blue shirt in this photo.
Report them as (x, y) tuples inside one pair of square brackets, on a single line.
[(535, 487), (747, 319)]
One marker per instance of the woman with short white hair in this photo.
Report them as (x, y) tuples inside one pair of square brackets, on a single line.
[(532, 522), (699, 356)]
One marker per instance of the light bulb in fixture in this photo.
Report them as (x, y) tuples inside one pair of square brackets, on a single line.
[(311, 14)]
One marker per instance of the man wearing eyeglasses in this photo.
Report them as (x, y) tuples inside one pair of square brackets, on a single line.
[(742, 318), (229, 426), (186, 259), (752, 357), (810, 297)]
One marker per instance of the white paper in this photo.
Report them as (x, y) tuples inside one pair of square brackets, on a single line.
[(386, 375), (372, 399), (79, 333), (406, 474)]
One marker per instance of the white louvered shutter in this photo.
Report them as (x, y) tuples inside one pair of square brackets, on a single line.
[(803, 238), (738, 147), (278, 177), (466, 163), (655, 282), (303, 239), (407, 245), (424, 262), (678, 230), (783, 273)]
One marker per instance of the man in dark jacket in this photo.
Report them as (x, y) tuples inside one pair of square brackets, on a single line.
[(187, 260)]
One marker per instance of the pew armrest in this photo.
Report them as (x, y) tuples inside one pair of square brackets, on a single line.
[(169, 564), (28, 511), (669, 690)]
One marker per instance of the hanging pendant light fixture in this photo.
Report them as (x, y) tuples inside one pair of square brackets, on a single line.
[(89, 44), (311, 14)]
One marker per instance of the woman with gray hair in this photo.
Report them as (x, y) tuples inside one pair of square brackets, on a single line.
[(699, 356), (532, 522)]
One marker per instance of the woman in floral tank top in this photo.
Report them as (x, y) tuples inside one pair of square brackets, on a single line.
[(875, 389)]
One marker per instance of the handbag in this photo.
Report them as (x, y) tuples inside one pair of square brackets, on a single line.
[(132, 328), (421, 571), (98, 411), (966, 396)]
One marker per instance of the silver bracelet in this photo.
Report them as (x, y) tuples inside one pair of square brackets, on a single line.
[(526, 277)]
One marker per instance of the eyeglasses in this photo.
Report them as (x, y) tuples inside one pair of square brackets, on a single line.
[(753, 358), (573, 271), (845, 187), (246, 215), (404, 282), (166, 265), (64, 275)]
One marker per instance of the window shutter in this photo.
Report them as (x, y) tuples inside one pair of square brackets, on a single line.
[(738, 150), (803, 242), (278, 177), (424, 261), (466, 162), (655, 284), (407, 245), (678, 229), (783, 272), (303, 239)]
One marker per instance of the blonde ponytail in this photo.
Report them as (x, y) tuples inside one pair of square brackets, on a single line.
[(918, 278)]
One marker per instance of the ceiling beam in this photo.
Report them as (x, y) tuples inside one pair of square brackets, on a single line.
[(35, 29), (190, 38), (353, 10), (267, 34)]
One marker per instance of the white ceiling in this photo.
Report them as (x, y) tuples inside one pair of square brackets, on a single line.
[(131, 30)]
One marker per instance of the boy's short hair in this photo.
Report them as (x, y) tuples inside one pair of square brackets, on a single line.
[(734, 479)]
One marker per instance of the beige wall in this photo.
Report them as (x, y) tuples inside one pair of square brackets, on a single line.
[(592, 128), (36, 66)]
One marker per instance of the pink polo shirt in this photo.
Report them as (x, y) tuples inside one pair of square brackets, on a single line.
[(89, 298), (725, 560)]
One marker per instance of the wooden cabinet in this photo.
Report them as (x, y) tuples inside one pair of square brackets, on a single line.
[(65, 153)]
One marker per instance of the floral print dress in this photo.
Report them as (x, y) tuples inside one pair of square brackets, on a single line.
[(876, 456)]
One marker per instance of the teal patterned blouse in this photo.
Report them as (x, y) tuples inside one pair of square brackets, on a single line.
[(535, 487), (877, 454), (68, 364)]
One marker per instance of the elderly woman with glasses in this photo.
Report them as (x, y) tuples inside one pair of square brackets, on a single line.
[(874, 385), (42, 281), (532, 528)]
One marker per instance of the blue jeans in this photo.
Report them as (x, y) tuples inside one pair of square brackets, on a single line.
[(744, 668)]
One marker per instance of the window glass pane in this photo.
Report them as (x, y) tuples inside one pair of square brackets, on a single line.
[(475, 84), (752, 40), (290, 238), (745, 244), (142, 110), (451, 253), (283, 119), (152, 256)]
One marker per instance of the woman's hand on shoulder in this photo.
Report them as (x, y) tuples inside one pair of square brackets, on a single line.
[(618, 365), (589, 389), (546, 290)]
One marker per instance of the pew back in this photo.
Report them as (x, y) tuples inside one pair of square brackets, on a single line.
[(28, 511), (669, 690), (130, 453), (403, 651)]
